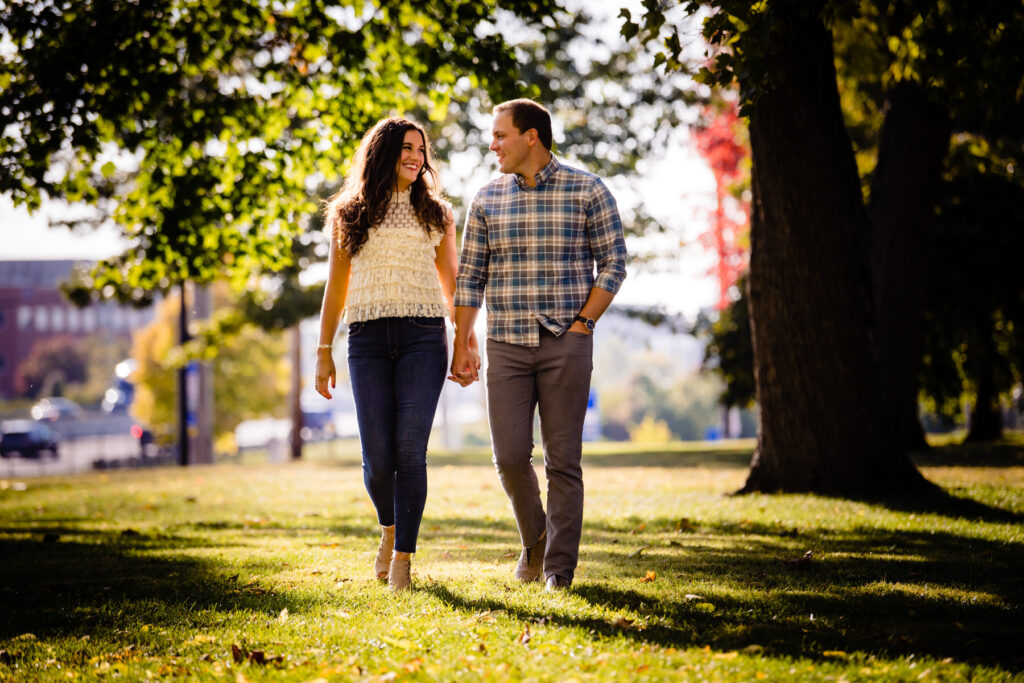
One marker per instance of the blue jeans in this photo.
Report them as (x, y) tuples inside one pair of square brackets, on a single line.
[(397, 367)]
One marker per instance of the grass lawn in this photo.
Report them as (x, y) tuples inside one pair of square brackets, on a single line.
[(264, 572)]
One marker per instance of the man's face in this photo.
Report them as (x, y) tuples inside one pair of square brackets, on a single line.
[(511, 146)]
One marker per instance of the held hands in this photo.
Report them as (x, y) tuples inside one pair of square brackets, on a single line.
[(325, 372), (466, 362)]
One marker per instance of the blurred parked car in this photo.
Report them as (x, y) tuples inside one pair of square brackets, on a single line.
[(56, 408), (27, 439)]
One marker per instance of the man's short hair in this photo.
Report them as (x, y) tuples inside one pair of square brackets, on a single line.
[(527, 114)]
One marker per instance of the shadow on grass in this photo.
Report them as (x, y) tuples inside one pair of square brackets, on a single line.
[(73, 588), (729, 624), (1004, 453), (941, 502)]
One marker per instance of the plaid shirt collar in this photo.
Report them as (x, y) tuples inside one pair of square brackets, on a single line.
[(541, 176)]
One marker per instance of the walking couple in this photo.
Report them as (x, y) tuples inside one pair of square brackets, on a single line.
[(531, 242)]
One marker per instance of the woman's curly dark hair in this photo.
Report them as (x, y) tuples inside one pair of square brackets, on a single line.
[(363, 199)]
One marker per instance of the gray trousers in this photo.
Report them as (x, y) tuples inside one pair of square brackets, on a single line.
[(554, 377)]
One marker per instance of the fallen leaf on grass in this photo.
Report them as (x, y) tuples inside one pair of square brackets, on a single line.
[(684, 525), (801, 562), (638, 551), (651, 576), (623, 622), (509, 556), (283, 616), (693, 596), (413, 665), (240, 654), (637, 529), (524, 637)]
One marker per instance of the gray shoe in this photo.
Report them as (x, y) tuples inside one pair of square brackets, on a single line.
[(531, 561), (557, 584)]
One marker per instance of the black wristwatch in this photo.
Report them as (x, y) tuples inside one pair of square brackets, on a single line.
[(589, 322)]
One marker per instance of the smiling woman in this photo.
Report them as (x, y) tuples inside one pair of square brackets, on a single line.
[(392, 269)]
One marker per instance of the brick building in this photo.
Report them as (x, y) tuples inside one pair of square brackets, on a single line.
[(32, 309)]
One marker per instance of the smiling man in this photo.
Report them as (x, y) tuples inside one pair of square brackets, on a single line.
[(532, 240)]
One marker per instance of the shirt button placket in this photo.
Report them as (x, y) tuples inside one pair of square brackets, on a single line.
[(531, 262)]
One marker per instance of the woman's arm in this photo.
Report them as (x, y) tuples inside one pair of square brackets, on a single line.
[(339, 266), (447, 261)]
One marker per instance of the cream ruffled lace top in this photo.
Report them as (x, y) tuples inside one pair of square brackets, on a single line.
[(393, 275)]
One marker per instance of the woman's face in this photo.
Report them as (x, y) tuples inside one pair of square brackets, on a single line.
[(414, 155)]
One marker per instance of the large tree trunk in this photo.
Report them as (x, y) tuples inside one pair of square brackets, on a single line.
[(914, 141), (810, 312)]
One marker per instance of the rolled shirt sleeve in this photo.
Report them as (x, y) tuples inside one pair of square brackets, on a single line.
[(607, 243), (472, 277)]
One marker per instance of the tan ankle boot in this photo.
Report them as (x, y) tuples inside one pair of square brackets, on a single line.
[(382, 563), (400, 576)]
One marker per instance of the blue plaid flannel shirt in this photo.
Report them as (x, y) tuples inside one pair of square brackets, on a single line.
[(534, 251)]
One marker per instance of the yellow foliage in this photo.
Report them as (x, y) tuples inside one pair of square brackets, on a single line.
[(250, 375), (650, 431)]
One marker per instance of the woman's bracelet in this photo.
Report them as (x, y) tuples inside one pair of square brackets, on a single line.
[(325, 346)]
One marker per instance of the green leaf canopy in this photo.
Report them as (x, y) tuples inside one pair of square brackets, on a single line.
[(201, 128)]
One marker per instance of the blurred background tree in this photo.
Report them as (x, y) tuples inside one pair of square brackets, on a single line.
[(201, 130), (250, 376), (52, 365)]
